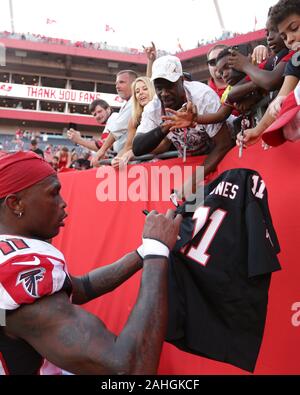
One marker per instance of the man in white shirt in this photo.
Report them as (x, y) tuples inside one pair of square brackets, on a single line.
[(118, 128), (173, 92), (103, 114), (116, 123)]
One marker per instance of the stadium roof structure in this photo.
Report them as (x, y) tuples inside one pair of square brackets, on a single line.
[(134, 57)]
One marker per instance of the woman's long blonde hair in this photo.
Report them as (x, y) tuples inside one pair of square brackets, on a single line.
[(137, 109)]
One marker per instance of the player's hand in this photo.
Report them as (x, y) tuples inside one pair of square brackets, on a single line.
[(164, 228), (74, 135)]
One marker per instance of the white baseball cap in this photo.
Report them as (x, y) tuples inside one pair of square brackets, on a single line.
[(167, 67)]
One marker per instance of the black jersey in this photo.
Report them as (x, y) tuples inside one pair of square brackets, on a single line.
[(220, 271)]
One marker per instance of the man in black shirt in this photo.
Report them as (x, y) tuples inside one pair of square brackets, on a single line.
[(34, 148)]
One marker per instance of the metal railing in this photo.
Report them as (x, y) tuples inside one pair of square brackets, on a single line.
[(145, 158)]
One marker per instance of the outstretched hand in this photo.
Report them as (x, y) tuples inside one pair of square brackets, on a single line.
[(163, 228), (151, 52), (260, 54), (73, 135), (237, 60), (184, 118)]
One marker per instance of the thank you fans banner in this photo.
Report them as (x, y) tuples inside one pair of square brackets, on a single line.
[(56, 94)]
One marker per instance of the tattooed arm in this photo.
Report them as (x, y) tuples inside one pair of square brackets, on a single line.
[(105, 279), (79, 342)]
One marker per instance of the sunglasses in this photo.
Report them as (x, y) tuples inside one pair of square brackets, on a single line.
[(212, 62)]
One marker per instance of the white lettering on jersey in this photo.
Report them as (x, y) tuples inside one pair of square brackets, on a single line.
[(234, 191), (226, 189), (258, 191), (199, 254), (35, 262), (296, 316)]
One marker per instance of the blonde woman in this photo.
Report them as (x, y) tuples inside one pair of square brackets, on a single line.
[(142, 93)]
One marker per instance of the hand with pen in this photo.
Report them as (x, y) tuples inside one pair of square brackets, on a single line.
[(247, 137), (146, 212)]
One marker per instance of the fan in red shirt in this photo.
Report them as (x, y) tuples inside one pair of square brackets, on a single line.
[(216, 82)]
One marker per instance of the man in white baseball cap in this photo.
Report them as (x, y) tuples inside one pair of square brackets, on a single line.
[(167, 67), (287, 125), (173, 92)]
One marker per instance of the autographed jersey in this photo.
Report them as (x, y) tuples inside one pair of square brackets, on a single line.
[(220, 271), (29, 269)]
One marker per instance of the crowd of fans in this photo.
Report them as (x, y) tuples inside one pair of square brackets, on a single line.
[(61, 157), (102, 45), (226, 35), (192, 119)]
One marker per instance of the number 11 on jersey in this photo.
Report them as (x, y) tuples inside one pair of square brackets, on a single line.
[(199, 254)]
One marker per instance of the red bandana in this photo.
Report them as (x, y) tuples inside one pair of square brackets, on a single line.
[(21, 170)]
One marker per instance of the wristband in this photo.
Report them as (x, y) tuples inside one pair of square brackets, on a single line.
[(140, 251), (154, 248)]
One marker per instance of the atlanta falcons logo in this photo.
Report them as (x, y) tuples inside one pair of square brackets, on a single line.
[(30, 279)]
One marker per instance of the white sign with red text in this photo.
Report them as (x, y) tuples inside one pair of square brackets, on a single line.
[(56, 94)]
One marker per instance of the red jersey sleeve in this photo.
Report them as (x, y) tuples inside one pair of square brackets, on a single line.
[(27, 275)]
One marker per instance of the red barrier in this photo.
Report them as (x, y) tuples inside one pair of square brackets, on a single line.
[(98, 233)]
